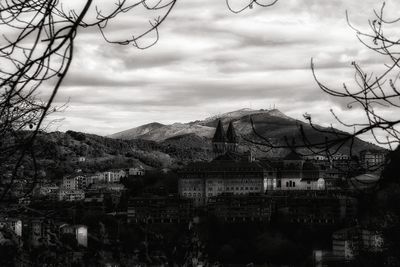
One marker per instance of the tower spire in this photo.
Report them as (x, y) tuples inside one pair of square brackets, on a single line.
[(219, 135), (231, 134)]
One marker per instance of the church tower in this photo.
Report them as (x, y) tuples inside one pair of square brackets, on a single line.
[(232, 139), (223, 143), (219, 140)]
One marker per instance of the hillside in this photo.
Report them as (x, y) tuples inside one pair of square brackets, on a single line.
[(158, 146), (58, 153)]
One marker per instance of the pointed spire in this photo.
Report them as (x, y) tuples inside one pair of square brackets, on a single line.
[(231, 134), (219, 135)]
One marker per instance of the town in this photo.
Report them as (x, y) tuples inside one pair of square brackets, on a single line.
[(115, 216)]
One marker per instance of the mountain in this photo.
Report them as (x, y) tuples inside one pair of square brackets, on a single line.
[(134, 133), (271, 124), (205, 128)]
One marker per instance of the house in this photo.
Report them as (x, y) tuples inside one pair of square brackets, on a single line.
[(47, 190), (293, 173), (349, 242), (112, 176), (157, 209), (373, 160), (13, 224), (241, 208), (315, 207), (79, 231), (136, 171), (71, 194)]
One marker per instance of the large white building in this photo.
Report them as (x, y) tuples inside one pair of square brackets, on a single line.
[(112, 176), (238, 174), (293, 173), (229, 172)]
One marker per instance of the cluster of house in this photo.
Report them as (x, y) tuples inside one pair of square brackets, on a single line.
[(237, 187), (349, 243), (238, 174), (85, 186), (38, 231)]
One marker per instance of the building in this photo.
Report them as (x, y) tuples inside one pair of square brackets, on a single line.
[(136, 171), (71, 182), (71, 195), (48, 191), (13, 224), (112, 176), (229, 172), (42, 231), (79, 231), (301, 207), (241, 208), (372, 160), (349, 242), (156, 209), (223, 143), (293, 173), (203, 180)]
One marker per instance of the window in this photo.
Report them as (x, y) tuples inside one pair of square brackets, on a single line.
[(287, 184), (294, 184)]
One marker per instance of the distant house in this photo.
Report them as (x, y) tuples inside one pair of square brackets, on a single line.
[(112, 176), (136, 171), (372, 160), (79, 231), (114, 187), (13, 224), (157, 209), (293, 173), (47, 190), (241, 208), (71, 195), (74, 182), (349, 242)]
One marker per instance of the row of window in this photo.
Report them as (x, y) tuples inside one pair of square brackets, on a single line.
[(290, 184)]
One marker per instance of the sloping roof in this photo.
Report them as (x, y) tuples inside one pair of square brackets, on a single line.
[(231, 134), (228, 166), (219, 135)]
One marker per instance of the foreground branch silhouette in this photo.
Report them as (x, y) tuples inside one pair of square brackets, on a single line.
[(35, 54), (371, 94), (36, 50)]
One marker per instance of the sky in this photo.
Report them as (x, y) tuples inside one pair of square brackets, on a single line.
[(209, 61)]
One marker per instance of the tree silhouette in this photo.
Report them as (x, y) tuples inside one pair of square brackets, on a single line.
[(371, 93)]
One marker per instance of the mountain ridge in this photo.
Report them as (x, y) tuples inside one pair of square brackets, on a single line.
[(271, 123)]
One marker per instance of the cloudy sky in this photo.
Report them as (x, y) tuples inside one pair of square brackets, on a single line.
[(209, 61)]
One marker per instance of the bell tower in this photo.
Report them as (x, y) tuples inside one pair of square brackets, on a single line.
[(232, 139), (219, 140)]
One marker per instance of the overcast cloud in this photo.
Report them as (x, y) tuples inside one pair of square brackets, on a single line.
[(210, 61)]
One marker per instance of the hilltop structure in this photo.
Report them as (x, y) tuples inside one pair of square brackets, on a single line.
[(224, 143), (231, 172)]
